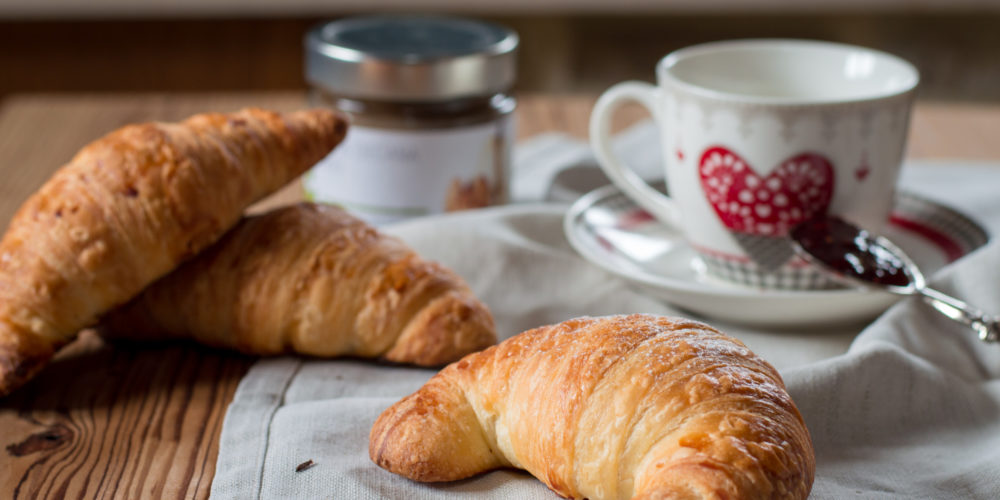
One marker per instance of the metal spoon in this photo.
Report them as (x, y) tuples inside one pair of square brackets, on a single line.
[(853, 255)]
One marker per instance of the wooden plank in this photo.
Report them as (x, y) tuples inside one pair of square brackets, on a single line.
[(122, 421), (961, 131)]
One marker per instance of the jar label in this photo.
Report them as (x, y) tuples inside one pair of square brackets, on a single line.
[(384, 175)]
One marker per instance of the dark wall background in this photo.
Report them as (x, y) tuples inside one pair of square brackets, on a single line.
[(958, 53)]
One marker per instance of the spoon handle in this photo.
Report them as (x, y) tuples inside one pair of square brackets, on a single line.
[(986, 326)]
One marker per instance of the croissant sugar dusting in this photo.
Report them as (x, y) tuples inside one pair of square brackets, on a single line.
[(607, 408), (313, 280), (129, 208)]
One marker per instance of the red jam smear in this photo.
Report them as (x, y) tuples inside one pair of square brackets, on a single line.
[(850, 251)]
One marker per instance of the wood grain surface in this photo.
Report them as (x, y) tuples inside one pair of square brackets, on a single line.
[(143, 421)]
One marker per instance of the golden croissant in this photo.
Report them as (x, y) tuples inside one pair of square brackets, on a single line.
[(637, 406), (129, 208), (313, 280)]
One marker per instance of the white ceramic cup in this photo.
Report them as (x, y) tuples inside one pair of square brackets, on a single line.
[(759, 135)]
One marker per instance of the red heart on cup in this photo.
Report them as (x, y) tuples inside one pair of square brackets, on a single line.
[(747, 203)]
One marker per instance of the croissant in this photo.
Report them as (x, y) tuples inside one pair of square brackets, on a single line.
[(313, 280), (607, 408), (128, 208)]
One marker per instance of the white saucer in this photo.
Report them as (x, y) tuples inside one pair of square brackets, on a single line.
[(609, 230)]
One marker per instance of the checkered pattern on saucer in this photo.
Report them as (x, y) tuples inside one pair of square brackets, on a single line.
[(793, 276)]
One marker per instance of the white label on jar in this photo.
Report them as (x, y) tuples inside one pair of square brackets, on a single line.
[(388, 175)]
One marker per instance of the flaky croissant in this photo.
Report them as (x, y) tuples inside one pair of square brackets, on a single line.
[(128, 208), (314, 280), (609, 408)]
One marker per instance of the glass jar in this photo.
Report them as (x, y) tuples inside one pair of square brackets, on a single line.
[(431, 109)]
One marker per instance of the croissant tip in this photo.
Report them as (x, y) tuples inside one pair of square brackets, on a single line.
[(413, 438), (330, 125), (451, 327), (381, 435)]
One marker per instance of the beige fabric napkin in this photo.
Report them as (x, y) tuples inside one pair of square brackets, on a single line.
[(911, 410)]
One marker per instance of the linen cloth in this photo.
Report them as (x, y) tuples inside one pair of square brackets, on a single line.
[(910, 408)]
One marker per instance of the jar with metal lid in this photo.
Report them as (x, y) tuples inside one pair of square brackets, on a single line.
[(431, 109)]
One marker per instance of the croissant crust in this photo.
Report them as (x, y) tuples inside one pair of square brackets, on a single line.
[(313, 280), (607, 408), (130, 207)]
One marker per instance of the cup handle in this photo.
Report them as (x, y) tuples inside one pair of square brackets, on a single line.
[(660, 206)]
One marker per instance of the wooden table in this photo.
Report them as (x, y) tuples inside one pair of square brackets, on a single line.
[(143, 421)]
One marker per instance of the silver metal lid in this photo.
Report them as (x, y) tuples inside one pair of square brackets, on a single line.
[(400, 58)]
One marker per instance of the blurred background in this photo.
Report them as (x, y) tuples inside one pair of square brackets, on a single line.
[(568, 46)]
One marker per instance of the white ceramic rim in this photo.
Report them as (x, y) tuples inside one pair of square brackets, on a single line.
[(671, 60)]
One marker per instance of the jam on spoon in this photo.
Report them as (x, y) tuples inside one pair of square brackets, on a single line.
[(850, 251), (852, 254)]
